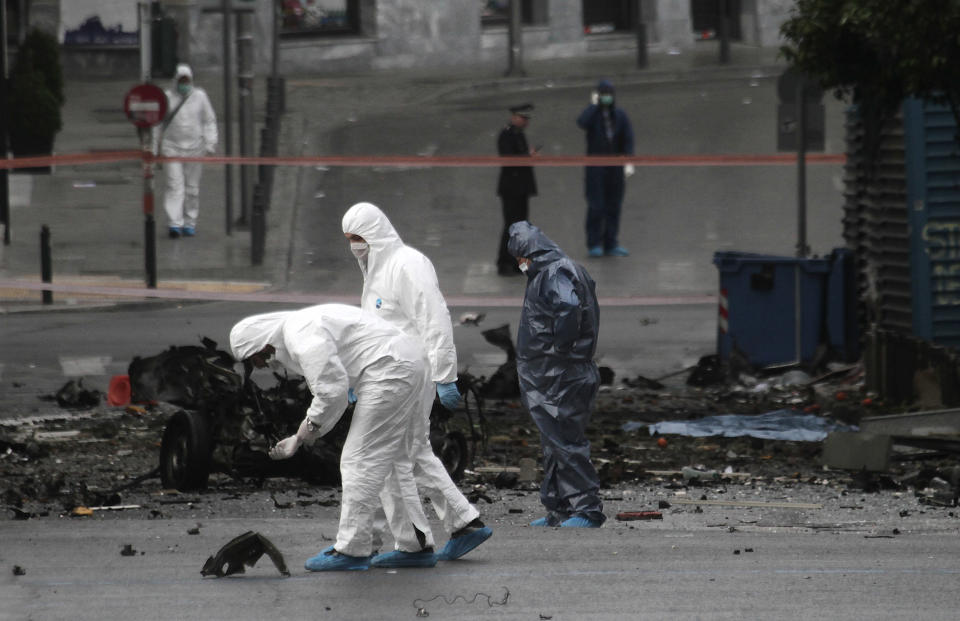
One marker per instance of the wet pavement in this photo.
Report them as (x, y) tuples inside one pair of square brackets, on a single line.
[(94, 211), (772, 533)]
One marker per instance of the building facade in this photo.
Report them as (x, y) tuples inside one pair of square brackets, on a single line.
[(351, 35)]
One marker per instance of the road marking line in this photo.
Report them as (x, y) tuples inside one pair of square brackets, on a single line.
[(230, 295), (77, 366)]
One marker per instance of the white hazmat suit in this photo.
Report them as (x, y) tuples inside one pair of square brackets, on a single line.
[(335, 347), (191, 132), (400, 285)]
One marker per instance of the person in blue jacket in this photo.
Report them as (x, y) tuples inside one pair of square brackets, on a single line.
[(608, 132), (556, 341)]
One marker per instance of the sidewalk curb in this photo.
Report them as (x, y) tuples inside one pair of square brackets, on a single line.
[(641, 76)]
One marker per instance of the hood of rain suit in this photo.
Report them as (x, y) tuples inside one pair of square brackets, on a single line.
[(400, 285), (560, 317), (333, 346)]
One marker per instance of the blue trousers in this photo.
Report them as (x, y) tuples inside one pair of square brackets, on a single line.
[(604, 190)]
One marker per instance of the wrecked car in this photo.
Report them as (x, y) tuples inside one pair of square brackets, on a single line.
[(227, 423)]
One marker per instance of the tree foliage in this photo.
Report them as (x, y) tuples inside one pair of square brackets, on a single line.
[(878, 52), (35, 95)]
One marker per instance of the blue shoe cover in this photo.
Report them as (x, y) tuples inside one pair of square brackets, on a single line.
[(596, 251), (459, 546), (189, 231), (619, 251), (328, 561), (398, 558), (579, 522)]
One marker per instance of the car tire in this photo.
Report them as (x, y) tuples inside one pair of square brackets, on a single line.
[(454, 455), (185, 452)]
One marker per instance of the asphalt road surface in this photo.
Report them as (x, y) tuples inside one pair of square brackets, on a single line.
[(74, 570)]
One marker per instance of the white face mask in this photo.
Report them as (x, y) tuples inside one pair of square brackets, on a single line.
[(359, 249), (524, 267)]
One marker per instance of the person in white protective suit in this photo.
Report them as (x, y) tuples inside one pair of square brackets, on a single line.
[(336, 347), (400, 285), (189, 130)]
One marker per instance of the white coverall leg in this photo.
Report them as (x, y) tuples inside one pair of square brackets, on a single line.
[(378, 440), (191, 188), (452, 507), (173, 193), (181, 197), (401, 498)]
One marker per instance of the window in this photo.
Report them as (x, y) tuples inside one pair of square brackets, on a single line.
[(497, 12), (706, 14), (609, 16), (14, 22), (308, 17)]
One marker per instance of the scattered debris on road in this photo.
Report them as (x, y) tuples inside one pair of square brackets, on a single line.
[(629, 516), (245, 549)]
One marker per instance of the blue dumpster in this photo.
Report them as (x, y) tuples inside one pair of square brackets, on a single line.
[(760, 311)]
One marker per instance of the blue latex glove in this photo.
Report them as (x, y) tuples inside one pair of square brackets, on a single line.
[(449, 395), (351, 396)]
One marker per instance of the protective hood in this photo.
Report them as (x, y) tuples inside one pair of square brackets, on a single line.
[(400, 285), (183, 70), (605, 87), (528, 241), (367, 221), (252, 334)]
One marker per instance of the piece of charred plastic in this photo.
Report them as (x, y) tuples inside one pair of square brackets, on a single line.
[(245, 549)]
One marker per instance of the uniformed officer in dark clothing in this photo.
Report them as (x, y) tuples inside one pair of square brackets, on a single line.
[(517, 183)]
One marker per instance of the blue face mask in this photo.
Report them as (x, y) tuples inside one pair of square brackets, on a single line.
[(184, 89), (606, 99)]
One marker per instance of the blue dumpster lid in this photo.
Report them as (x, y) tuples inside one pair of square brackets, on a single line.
[(731, 260)]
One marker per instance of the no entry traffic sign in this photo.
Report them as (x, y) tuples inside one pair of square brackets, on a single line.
[(145, 105)]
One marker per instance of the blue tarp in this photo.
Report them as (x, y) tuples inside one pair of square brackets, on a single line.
[(777, 425)]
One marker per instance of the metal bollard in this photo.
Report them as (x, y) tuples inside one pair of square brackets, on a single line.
[(258, 227), (275, 88), (46, 264)]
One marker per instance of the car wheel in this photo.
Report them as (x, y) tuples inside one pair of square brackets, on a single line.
[(453, 453), (185, 452)]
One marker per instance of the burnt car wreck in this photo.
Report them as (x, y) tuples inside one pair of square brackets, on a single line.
[(226, 422)]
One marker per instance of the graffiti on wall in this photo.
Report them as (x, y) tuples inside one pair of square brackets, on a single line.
[(83, 22)]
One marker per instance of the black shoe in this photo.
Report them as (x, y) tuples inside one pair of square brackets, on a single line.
[(476, 524)]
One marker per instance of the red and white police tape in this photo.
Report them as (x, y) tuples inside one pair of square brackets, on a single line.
[(434, 161)]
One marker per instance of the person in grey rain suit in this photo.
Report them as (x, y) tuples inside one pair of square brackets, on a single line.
[(189, 130), (556, 342)]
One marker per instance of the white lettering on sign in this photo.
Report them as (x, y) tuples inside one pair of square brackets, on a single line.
[(942, 240), (945, 270), (946, 299), (144, 106)]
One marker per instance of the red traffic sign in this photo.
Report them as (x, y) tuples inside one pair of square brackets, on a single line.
[(145, 105)]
